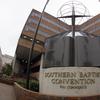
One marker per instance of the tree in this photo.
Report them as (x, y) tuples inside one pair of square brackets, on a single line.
[(7, 69)]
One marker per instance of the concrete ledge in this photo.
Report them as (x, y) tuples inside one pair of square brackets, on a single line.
[(24, 94), (7, 81)]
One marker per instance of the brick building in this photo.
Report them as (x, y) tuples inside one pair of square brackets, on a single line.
[(49, 26)]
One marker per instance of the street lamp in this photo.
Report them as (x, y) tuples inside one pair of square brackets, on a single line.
[(32, 48)]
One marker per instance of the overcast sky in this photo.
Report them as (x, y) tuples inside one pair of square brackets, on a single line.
[(14, 13)]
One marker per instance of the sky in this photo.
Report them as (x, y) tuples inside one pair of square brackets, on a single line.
[(14, 13)]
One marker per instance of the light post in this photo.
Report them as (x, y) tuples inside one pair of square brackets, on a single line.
[(32, 48)]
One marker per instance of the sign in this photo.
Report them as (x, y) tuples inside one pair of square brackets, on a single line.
[(70, 81)]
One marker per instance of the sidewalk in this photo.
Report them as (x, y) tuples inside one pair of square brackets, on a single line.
[(7, 92)]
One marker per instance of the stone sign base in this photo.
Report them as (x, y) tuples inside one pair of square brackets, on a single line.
[(70, 81), (24, 94)]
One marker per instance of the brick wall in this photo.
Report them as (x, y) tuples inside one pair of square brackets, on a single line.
[(24, 94)]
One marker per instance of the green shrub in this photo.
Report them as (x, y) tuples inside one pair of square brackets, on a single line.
[(22, 83), (33, 84), (7, 69)]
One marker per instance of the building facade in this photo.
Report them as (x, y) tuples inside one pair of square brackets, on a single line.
[(49, 26), (6, 59), (0, 59), (92, 26)]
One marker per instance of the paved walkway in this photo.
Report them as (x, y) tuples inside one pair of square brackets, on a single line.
[(7, 92)]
